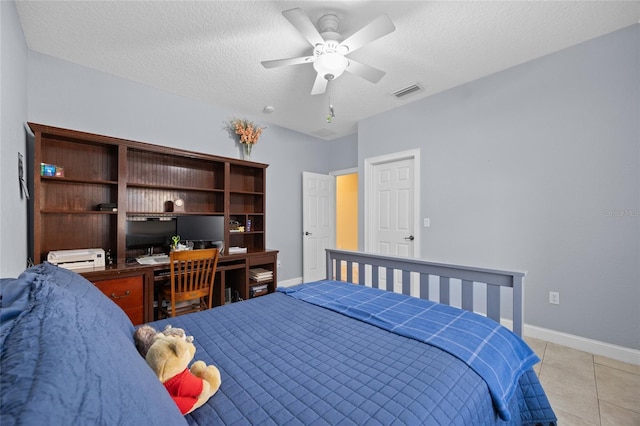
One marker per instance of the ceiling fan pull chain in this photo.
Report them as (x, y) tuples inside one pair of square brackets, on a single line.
[(332, 114)]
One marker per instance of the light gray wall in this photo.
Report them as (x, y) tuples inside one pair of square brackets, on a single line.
[(13, 113), (537, 168), (71, 96)]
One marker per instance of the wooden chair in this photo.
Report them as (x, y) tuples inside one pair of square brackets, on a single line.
[(192, 276)]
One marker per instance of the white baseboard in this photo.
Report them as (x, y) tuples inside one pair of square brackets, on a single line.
[(595, 347), (619, 353)]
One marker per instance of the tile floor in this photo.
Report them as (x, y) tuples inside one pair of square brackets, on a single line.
[(586, 389)]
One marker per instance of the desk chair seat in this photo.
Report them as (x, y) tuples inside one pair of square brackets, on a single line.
[(191, 288)]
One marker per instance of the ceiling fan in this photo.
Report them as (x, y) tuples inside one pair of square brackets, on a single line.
[(329, 50)]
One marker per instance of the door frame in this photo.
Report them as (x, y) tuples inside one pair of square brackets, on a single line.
[(370, 186)]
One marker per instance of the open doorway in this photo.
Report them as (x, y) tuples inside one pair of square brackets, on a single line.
[(347, 211)]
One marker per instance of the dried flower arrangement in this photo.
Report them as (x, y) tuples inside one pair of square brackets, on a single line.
[(248, 133)]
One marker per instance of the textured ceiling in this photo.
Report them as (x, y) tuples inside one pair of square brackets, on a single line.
[(211, 50)]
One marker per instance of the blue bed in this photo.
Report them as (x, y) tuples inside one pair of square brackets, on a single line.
[(283, 360)]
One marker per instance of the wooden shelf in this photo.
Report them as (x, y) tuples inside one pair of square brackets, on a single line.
[(168, 187), (63, 180), (63, 211), (142, 180)]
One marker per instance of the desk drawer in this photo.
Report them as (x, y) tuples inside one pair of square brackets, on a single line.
[(127, 293), (262, 260)]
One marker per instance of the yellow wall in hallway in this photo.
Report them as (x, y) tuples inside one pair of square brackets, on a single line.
[(347, 212)]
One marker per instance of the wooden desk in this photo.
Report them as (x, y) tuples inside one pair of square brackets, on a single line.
[(132, 286)]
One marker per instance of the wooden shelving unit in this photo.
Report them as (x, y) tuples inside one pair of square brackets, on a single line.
[(143, 180)]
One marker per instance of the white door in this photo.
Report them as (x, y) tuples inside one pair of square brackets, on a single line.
[(393, 208), (391, 200), (318, 223)]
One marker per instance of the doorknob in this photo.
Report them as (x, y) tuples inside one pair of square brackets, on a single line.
[(308, 233), (410, 238)]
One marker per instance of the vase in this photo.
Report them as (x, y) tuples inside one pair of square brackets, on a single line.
[(246, 151)]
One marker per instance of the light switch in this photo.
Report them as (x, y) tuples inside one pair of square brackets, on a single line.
[(427, 222)]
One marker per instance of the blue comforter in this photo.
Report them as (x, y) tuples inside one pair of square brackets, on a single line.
[(286, 361), (68, 358), (494, 352)]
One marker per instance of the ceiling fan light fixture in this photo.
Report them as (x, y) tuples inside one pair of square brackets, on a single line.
[(329, 47), (331, 65)]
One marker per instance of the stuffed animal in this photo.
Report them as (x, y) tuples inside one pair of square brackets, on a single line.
[(145, 335), (169, 353), (169, 357)]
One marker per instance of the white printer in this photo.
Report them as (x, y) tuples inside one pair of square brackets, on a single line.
[(78, 260)]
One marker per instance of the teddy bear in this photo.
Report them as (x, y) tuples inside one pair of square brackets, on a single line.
[(145, 335), (169, 356)]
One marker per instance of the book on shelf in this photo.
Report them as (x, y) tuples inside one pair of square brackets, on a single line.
[(260, 271), (260, 274)]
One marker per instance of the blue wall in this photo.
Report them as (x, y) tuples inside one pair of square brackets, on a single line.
[(537, 168), (13, 114)]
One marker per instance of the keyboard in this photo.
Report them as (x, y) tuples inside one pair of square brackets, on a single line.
[(153, 260)]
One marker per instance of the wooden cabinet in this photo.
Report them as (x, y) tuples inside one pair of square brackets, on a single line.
[(127, 293), (142, 181)]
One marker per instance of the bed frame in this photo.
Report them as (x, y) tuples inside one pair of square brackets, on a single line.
[(368, 270)]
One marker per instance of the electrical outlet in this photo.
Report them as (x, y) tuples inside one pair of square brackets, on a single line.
[(554, 297), (279, 264)]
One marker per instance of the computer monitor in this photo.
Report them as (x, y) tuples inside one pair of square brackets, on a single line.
[(202, 230), (150, 232)]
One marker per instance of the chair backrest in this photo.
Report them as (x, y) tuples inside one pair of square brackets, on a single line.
[(193, 274)]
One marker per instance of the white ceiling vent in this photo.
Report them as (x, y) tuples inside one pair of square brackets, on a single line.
[(401, 93)]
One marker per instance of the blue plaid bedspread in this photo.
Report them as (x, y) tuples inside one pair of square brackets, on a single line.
[(494, 352)]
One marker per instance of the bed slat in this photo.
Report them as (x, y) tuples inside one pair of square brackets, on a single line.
[(493, 302), (467, 295), (424, 286), (374, 277), (444, 290), (406, 282)]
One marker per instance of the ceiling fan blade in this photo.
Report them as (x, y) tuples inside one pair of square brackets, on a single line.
[(365, 71), (303, 24), (379, 27), (285, 62), (320, 85)]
